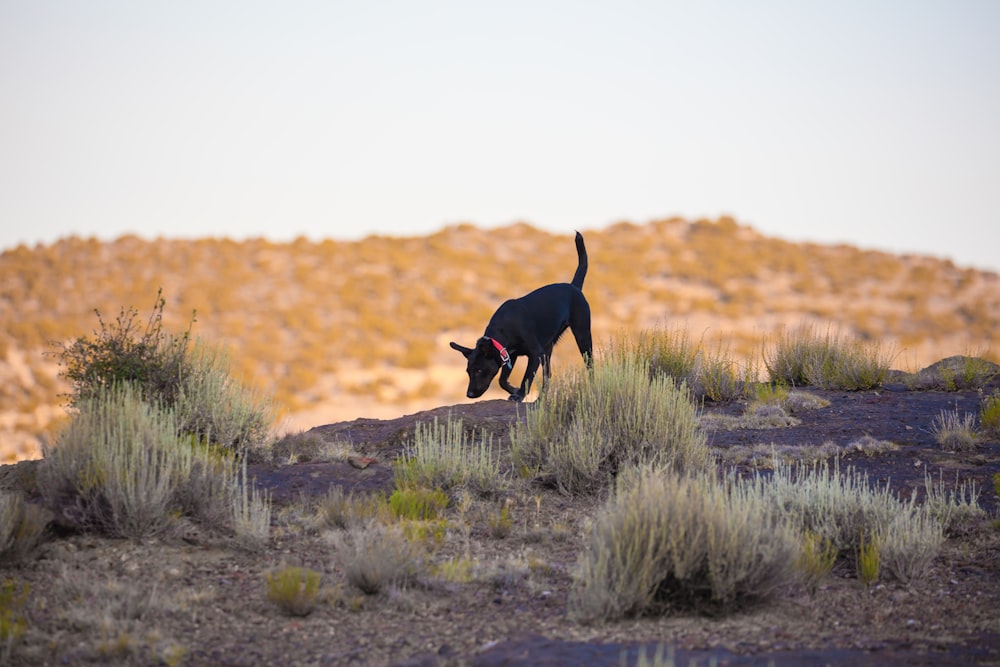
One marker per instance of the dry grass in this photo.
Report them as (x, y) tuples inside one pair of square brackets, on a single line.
[(829, 360), (955, 432)]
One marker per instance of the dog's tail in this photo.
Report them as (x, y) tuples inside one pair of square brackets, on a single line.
[(581, 269)]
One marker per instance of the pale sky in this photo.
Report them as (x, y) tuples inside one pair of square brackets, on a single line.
[(866, 122)]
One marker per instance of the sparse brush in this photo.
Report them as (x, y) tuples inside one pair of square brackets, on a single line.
[(213, 405), (668, 352), (295, 590), (872, 446), (954, 431), (166, 370), (375, 556), (838, 504), (417, 503), (22, 526), (429, 532), (116, 466)]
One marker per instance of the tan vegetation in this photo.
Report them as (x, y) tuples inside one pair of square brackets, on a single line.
[(338, 330)]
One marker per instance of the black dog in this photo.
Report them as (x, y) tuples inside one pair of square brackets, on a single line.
[(530, 326)]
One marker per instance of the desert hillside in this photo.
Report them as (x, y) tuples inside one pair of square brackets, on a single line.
[(338, 330)]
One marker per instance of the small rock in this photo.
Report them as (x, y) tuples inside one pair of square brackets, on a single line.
[(360, 462)]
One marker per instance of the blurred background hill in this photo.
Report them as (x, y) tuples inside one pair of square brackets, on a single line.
[(341, 330)]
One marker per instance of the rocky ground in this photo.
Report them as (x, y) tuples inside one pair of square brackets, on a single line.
[(194, 598)]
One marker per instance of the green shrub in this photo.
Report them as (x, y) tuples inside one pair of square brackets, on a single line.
[(869, 559), (828, 361), (295, 590), (591, 425), (417, 503), (155, 360), (667, 542), (816, 558)]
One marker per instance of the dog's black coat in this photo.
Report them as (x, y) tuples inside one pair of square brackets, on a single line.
[(531, 326)]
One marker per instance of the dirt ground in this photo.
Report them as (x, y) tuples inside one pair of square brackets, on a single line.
[(195, 599)]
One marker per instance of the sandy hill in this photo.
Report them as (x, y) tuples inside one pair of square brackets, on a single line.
[(339, 330)]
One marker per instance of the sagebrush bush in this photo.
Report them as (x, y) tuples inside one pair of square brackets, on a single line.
[(443, 456), (861, 520), (829, 360), (667, 542), (591, 425), (116, 466), (22, 526), (120, 468), (374, 557), (954, 508), (213, 405)]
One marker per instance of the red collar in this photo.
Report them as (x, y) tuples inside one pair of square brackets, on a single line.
[(504, 355)]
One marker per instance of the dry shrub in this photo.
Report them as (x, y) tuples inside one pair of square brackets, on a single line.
[(22, 526), (374, 557), (828, 360), (667, 542), (590, 425)]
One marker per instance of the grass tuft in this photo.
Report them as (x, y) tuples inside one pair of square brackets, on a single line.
[(954, 431), (374, 557), (295, 590), (828, 360)]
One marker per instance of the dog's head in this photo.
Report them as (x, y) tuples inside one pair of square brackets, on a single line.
[(484, 363)]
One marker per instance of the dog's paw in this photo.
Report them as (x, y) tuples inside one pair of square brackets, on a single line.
[(517, 398)]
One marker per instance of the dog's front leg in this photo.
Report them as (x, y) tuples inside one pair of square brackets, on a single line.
[(529, 375), (504, 380)]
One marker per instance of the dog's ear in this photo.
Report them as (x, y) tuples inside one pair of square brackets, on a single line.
[(466, 351)]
